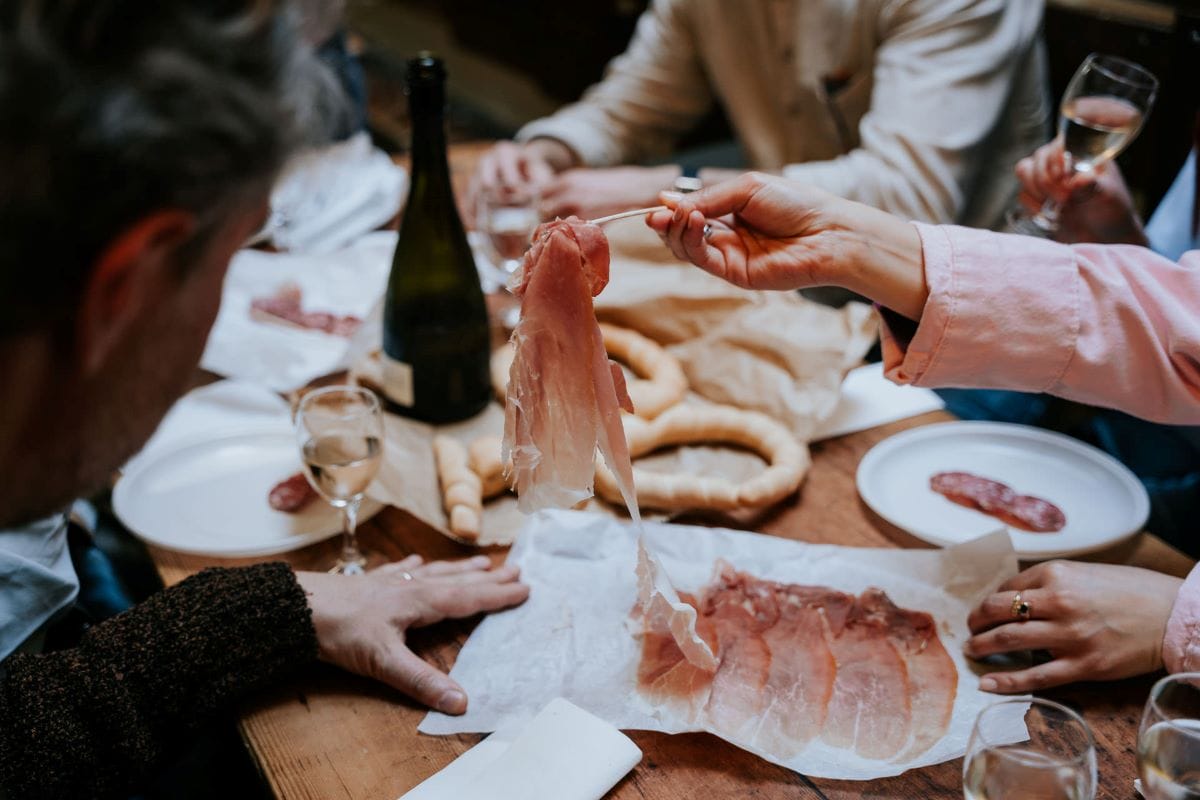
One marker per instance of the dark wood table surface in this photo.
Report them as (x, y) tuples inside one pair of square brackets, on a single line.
[(328, 735)]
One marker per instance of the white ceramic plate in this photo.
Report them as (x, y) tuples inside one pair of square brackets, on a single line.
[(1104, 503), (209, 496)]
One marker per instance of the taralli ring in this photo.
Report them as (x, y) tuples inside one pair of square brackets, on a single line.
[(660, 381), (1020, 609), (788, 460)]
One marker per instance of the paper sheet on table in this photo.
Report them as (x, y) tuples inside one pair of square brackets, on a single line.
[(284, 357), (573, 637), (773, 352)]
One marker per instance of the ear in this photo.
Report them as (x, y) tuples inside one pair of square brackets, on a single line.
[(131, 274)]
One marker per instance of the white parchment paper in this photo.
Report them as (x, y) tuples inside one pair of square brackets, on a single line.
[(573, 638)]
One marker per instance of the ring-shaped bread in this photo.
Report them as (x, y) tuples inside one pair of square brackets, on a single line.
[(660, 381), (787, 460)]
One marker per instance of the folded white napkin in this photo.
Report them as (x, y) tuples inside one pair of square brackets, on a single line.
[(564, 753), (868, 399), (327, 198), (281, 356)]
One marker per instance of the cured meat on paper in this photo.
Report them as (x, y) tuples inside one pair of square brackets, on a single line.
[(791, 664), (286, 305), (564, 395)]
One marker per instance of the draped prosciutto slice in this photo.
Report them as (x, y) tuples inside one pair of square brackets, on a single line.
[(871, 708), (932, 676), (564, 395)]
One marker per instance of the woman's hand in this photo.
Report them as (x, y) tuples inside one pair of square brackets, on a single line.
[(361, 620), (1097, 621), (528, 166), (1094, 207), (771, 233)]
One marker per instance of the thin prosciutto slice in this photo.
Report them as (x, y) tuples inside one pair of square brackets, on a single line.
[(774, 666), (564, 395)]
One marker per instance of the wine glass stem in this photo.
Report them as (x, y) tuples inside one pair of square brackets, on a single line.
[(350, 552), (1047, 216)]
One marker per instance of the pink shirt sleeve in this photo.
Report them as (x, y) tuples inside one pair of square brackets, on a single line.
[(1181, 644), (1107, 325)]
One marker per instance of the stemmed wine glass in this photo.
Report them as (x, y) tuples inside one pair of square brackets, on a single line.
[(1057, 762), (1169, 739), (340, 431), (1102, 111), (507, 216)]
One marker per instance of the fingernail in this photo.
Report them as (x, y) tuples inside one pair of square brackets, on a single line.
[(987, 684), (482, 561), (674, 197), (452, 701)]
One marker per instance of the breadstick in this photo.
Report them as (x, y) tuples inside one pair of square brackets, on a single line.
[(462, 491), (660, 381), (787, 459), (483, 456)]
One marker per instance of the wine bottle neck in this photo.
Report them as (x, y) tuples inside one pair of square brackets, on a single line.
[(429, 164)]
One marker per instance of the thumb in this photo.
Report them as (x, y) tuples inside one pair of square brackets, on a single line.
[(404, 670), (726, 197)]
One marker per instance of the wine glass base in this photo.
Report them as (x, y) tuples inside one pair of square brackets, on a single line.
[(1026, 225), (351, 566)]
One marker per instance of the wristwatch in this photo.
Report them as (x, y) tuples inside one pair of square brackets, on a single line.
[(688, 181)]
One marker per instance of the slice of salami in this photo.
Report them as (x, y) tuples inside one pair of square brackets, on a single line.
[(999, 500), (292, 494)]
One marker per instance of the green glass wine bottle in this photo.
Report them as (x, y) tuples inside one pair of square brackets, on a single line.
[(435, 323)]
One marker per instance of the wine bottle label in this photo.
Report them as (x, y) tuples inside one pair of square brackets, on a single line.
[(397, 381)]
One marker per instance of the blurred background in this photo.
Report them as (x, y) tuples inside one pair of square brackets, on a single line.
[(517, 60)]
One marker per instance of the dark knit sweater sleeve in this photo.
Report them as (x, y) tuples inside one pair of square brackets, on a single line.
[(93, 720)]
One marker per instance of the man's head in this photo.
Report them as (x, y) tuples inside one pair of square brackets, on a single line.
[(138, 141)]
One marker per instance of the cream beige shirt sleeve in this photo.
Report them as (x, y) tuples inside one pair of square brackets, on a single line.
[(937, 101)]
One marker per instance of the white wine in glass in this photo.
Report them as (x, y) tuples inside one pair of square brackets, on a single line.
[(1102, 111), (340, 430), (1058, 762), (1169, 739), (507, 216)]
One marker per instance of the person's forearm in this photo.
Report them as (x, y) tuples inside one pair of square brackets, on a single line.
[(97, 718), (878, 256)]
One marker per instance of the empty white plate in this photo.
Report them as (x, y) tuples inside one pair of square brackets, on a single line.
[(209, 496), (1103, 501)]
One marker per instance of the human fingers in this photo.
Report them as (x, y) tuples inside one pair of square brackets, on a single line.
[(458, 599), (1032, 578), (1048, 172), (1043, 676), (1017, 635), (406, 564), (1031, 202), (1029, 186), (727, 197), (508, 157), (402, 669), (441, 568), (537, 171), (997, 608), (502, 574)]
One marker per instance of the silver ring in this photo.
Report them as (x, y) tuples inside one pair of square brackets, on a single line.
[(406, 575), (708, 231)]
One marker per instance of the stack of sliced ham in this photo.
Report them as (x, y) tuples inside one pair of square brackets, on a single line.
[(794, 664), (564, 395)]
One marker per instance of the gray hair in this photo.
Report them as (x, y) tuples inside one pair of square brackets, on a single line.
[(111, 109)]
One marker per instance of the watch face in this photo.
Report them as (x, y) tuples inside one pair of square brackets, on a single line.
[(687, 184)]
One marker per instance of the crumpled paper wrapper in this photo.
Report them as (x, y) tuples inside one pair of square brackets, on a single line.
[(772, 352), (574, 636)]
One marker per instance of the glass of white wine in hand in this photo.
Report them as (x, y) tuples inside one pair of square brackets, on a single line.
[(340, 431), (1056, 762), (1169, 739), (1102, 111)]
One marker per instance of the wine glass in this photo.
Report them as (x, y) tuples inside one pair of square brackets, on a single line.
[(507, 216), (1169, 739), (340, 431), (1102, 111), (1057, 762)]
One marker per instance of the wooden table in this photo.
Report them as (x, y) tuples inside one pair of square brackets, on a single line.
[(330, 735)]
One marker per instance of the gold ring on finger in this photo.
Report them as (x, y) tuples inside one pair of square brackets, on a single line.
[(1020, 609)]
